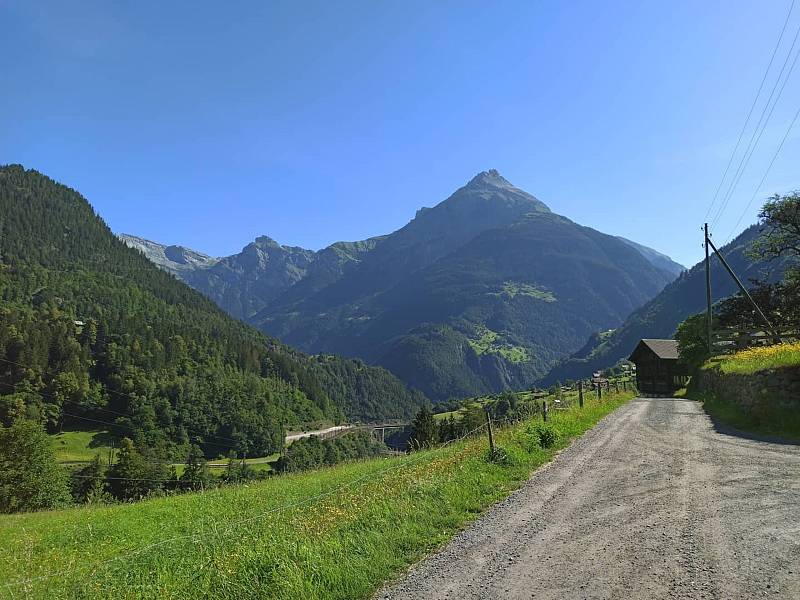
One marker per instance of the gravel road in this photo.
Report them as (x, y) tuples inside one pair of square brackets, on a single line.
[(654, 502)]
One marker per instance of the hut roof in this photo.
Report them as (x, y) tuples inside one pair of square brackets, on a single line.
[(665, 349)]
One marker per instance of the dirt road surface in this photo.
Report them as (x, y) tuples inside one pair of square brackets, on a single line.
[(654, 502)]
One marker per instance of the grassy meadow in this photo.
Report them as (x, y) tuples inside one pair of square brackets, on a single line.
[(333, 533), (74, 448), (80, 446)]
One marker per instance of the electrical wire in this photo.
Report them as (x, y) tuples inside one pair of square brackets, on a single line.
[(758, 131), (750, 112), (766, 172)]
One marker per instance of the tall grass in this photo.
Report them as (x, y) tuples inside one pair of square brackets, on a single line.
[(334, 533), (753, 360)]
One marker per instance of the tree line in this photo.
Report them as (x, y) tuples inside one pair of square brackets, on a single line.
[(31, 479)]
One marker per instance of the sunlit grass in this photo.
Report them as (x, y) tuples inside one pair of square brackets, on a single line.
[(75, 446), (758, 359), (334, 533)]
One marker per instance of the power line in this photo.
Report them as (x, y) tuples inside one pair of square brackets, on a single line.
[(769, 168), (772, 109), (750, 113), (758, 131)]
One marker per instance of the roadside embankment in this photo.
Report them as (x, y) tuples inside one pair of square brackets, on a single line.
[(755, 390)]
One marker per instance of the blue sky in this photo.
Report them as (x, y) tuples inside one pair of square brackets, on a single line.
[(208, 124)]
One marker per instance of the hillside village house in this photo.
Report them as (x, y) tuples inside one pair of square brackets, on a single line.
[(658, 372)]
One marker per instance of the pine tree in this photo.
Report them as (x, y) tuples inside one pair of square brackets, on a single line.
[(90, 482), (424, 430), (196, 475), (128, 477)]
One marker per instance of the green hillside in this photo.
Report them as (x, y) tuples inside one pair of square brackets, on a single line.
[(660, 317), (93, 335)]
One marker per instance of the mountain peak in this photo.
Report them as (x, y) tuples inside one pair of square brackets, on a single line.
[(490, 178), (491, 186), (264, 241)]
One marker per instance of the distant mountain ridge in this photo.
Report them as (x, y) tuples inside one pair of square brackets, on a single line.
[(482, 292), (174, 259), (658, 259)]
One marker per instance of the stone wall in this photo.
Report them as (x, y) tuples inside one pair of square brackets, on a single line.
[(759, 394)]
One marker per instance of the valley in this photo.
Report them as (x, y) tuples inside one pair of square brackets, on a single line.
[(485, 291), (92, 333), (272, 328), (337, 532)]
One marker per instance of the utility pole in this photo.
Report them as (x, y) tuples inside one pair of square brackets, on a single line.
[(742, 289), (708, 290)]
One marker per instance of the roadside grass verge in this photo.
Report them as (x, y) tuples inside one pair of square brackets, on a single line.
[(339, 532), (769, 416), (772, 421)]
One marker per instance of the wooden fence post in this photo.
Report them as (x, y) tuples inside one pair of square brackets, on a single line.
[(616, 386), (580, 394), (489, 429), (599, 390), (544, 410)]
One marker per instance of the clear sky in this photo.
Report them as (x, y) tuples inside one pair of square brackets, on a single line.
[(209, 123)]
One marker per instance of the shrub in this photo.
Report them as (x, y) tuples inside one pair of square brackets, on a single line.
[(546, 435), (30, 477)]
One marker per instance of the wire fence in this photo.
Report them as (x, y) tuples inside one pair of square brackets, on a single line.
[(410, 460), (221, 528), (726, 340)]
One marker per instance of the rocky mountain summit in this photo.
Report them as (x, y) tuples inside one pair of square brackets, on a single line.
[(175, 259)]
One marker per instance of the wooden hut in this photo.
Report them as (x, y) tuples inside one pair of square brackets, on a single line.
[(658, 372)]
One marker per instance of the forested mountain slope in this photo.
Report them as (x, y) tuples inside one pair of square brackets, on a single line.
[(660, 317), (91, 332), (508, 304), (482, 292), (658, 259)]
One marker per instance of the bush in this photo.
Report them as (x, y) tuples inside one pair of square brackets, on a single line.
[(545, 434), (30, 477), (312, 452)]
